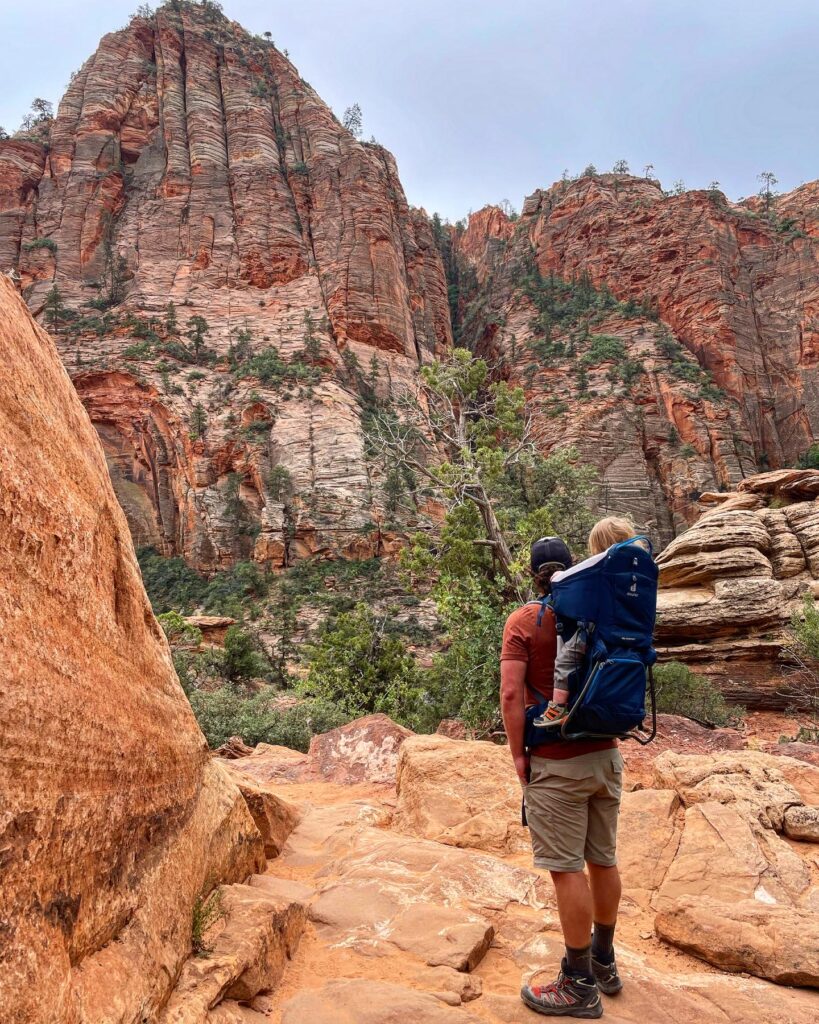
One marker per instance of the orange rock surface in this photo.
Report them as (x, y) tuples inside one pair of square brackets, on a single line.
[(113, 818)]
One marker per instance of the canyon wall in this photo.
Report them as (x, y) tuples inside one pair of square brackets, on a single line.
[(713, 372), (191, 173), (111, 825)]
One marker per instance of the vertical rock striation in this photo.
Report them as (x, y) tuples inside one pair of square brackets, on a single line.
[(189, 163)]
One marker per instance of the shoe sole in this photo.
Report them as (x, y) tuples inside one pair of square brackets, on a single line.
[(584, 1012)]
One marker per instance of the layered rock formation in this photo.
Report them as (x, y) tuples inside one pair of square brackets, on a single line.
[(114, 818), (190, 164), (730, 585), (728, 292)]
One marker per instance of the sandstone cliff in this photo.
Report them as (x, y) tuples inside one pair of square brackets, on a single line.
[(114, 819), (190, 164), (712, 375), (730, 585)]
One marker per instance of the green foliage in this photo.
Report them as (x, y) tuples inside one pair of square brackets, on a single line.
[(278, 482), (810, 459), (269, 367), (688, 451), (41, 243), (142, 350), (198, 422), (805, 628), (243, 656), (360, 666), (604, 348), (198, 329), (226, 712), (681, 692), (178, 631), (172, 584), (205, 913)]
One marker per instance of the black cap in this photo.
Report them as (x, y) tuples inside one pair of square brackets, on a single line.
[(550, 551)]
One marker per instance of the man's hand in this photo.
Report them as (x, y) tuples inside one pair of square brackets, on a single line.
[(522, 767)]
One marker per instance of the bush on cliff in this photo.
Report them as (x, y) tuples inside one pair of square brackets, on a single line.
[(681, 692)]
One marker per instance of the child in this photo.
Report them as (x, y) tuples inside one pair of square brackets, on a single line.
[(608, 531)]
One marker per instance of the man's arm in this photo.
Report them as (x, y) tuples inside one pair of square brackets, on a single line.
[(513, 710)]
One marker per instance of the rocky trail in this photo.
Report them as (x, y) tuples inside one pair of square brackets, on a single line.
[(417, 900)]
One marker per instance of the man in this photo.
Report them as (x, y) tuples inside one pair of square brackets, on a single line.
[(572, 791)]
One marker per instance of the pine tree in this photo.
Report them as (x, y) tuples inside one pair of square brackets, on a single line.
[(198, 422), (353, 120)]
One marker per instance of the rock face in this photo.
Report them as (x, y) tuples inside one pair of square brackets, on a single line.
[(112, 823), (730, 584), (460, 793), (728, 293), (189, 163)]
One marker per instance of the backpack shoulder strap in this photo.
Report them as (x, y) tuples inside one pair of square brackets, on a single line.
[(544, 602)]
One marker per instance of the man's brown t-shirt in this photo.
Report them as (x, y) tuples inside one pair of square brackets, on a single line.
[(524, 640)]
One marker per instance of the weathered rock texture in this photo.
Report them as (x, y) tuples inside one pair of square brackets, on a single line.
[(113, 818), (189, 163), (729, 292), (730, 584)]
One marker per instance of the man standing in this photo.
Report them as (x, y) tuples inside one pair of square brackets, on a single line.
[(572, 790)]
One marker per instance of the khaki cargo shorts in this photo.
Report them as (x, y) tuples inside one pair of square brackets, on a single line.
[(572, 807)]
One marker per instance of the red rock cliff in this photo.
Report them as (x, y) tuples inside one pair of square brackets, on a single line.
[(721, 288), (189, 163)]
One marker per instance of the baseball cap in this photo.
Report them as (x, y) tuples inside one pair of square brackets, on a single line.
[(550, 549)]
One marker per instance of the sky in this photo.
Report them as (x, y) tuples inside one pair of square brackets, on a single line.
[(482, 101)]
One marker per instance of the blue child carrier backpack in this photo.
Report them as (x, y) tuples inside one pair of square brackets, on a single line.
[(611, 599)]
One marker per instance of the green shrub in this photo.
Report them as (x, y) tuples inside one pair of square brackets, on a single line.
[(178, 631), (604, 348), (205, 913), (360, 666), (244, 657), (226, 712), (681, 692), (172, 584), (41, 243), (810, 459)]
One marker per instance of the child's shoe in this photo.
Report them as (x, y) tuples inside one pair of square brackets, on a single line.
[(552, 716)]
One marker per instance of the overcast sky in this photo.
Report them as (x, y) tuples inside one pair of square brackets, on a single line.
[(481, 101)]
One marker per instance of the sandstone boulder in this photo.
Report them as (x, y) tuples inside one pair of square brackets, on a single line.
[(248, 956), (778, 943), (365, 750), (462, 793), (274, 816), (270, 763), (114, 815), (752, 780), (726, 855), (802, 823), (648, 836)]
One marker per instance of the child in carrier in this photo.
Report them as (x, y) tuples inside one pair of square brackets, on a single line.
[(606, 532)]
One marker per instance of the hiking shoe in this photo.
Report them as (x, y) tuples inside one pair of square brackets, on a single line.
[(566, 997), (607, 978)]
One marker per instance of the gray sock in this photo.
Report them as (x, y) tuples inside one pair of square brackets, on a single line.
[(578, 962), (602, 948)]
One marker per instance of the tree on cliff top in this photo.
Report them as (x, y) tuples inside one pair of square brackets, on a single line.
[(353, 120)]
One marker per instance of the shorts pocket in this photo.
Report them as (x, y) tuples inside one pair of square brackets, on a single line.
[(568, 769)]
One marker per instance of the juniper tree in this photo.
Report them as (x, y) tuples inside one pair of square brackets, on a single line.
[(198, 422)]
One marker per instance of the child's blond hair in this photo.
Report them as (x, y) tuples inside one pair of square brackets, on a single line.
[(609, 531)]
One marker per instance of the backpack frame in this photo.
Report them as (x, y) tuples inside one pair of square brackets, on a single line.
[(611, 598)]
